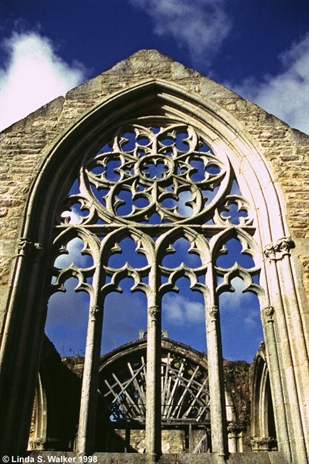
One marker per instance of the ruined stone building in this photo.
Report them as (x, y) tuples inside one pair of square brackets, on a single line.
[(151, 153)]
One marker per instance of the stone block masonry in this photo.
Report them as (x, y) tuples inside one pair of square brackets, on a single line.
[(25, 145), (271, 163)]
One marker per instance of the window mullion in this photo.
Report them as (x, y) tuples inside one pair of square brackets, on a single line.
[(153, 385), (88, 404), (215, 368)]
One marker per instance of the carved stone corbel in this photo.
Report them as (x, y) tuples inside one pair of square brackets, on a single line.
[(262, 346), (284, 245), (263, 443), (29, 249), (234, 428), (269, 313), (44, 444), (281, 248), (269, 251)]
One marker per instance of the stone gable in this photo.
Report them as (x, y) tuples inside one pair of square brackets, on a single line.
[(25, 144), (27, 147)]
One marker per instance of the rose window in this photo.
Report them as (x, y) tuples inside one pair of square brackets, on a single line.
[(153, 175)]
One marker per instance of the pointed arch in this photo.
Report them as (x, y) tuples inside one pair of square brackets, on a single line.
[(262, 414), (168, 100), (158, 100)]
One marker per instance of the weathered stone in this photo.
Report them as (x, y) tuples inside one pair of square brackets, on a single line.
[(274, 168), (3, 211)]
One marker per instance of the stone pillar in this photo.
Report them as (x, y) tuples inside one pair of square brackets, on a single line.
[(14, 430), (216, 382), (87, 418), (153, 385), (299, 349), (275, 378)]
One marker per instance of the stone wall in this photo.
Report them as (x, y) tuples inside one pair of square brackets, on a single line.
[(25, 145), (136, 458), (173, 441)]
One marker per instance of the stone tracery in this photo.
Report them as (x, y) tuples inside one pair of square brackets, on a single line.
[(168, 170), (155, 183), (152, 84)]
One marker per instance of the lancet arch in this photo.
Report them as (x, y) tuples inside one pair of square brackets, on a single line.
[(262, 419), (166, 106)]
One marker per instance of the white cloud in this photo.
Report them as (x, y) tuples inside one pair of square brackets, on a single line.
[(201, 25), (181, 311), (74, 256), (73, 214), (252, 319), (241, 307), (33, 75), (286, 94)]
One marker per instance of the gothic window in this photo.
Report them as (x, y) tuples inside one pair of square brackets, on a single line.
[(154, 208)]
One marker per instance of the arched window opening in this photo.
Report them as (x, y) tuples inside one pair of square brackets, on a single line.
[(125, 314), (66, 324), (184, 399), (240, 322), (182, 279), (182, 310), (238, 288), (156, 238), (56, 404), (126, 280)]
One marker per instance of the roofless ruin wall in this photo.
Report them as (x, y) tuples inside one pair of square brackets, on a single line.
[(25, 144)]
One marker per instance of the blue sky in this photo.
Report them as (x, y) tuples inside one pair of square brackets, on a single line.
[(259, 48), (183, 312)]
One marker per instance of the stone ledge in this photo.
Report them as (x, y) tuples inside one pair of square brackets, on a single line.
[(273, 457)]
